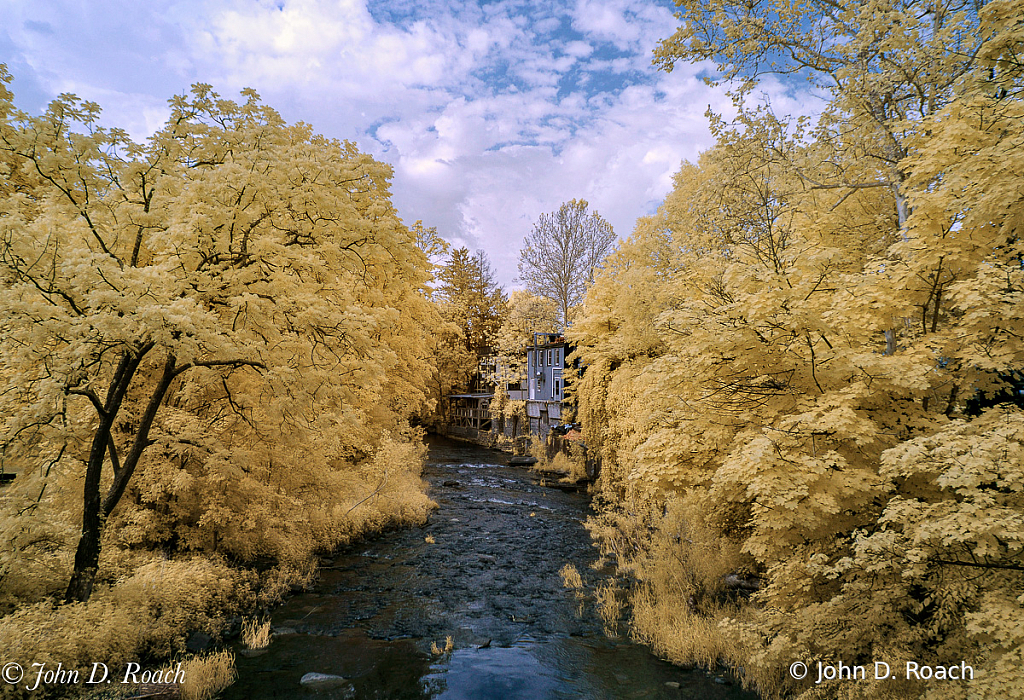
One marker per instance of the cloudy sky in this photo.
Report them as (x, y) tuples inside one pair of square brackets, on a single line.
[(490, 112)]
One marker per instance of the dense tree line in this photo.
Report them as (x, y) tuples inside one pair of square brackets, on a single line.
[(784, 364)]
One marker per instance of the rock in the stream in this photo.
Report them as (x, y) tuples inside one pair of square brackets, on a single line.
[(322, 680), (198, 641)]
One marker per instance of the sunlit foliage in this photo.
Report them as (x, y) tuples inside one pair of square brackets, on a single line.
[(471, 305), (780, 359), (522, 315), (218, 337)]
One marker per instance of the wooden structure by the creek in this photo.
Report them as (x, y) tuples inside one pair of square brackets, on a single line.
[(469, 417), (470, 412)]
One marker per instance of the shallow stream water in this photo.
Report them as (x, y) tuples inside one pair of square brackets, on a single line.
[(490, 581)]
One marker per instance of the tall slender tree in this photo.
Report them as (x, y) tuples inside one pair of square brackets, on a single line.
[(562, 251), (471, 298)]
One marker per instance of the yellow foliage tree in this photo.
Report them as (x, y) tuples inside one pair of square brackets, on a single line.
[(522, 315), (837, 299), (215, 328), (470, 304)]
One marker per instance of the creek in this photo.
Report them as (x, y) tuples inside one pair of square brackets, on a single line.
[(490, 581)]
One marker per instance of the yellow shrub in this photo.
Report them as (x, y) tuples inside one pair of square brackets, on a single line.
[(676, 569), (572, 464), (148, 614), (571, 579), (256, 634), (206, 676)]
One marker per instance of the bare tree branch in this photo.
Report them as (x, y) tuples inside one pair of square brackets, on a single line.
[(562, 252)]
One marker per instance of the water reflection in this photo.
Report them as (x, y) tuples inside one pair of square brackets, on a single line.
[(567, 669), (489, 581)]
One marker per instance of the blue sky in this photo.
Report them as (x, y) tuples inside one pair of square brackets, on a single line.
[(491, 113)]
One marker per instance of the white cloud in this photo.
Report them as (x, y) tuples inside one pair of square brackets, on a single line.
[(579, 49), (632, 25), (490, 114)]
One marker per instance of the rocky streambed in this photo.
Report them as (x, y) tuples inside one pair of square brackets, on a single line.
[(484, 572)]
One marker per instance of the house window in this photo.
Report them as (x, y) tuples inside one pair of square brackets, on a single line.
[(549, 357), (558, 388)]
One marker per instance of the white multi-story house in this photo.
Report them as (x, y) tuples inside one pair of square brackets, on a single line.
[(545, 362), (545, 370)]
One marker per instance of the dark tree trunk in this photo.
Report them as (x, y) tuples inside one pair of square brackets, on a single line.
[(87, 558), (95, 510), (88, 553)]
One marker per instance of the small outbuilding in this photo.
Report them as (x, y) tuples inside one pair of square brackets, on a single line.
[(470, 411)]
